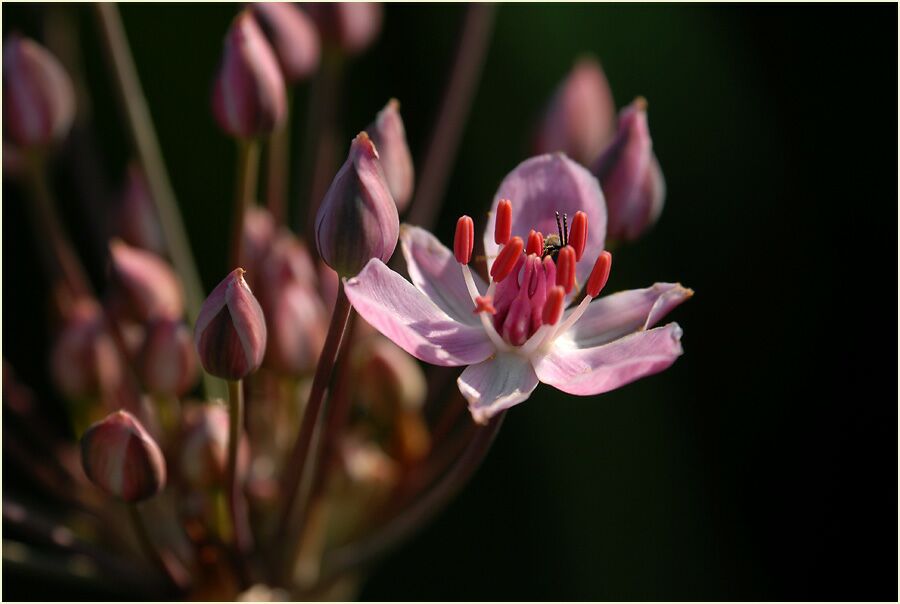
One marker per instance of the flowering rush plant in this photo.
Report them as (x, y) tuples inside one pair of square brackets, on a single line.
[(315, 441)]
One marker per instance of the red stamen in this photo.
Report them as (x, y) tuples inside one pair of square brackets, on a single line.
[(464, 240), (506, 259), (578, 234), (599, 274), (553, 307), (565, 268), (503, 225), (484, 304), (535, 243)]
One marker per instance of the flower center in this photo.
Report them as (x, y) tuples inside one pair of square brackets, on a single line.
[(523, 309)]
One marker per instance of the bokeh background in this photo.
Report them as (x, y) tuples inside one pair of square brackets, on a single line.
[(763, 464)]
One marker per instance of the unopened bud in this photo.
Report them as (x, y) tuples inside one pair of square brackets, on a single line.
[(256, 241), (203, 445), (84, 360), (293, 37), (230, 334), (389, 379), (352, 26), (136, 220), (297, 324), (145, 284), (167, 363), (580, 119), (122, 459), (630, 176), (249, 97), (358, 219), (389, 136), (38, 97)]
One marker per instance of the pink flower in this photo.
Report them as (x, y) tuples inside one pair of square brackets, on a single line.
[(512, 332)]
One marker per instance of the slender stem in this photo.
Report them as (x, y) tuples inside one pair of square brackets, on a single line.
[(448, 130), (298, 481), (178, 578), (146, 145), (239, 530), (277, 162), (244, 193)]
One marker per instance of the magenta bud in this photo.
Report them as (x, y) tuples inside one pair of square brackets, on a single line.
[(293, 37), (249, 97), (145, 284), (256, 240), (230, 333), (136, 220), (203, 445), (287, 260), (122, 459), (297, 322), (38, 98), (389, 378), (389, 136), (358, 219), (580, 119), (352, 26), (167, 363), (630, 176), (84, 361)]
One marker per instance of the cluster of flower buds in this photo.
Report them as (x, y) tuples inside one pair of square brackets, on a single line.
[(389, 136), (350, 26)]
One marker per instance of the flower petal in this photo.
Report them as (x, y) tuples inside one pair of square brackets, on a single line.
[(543, 185), (622, 313), (411, 320), (434, 270), (496, 384), (586, 371)]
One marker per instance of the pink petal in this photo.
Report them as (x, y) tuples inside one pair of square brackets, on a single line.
[(411, 320), (586, 371), (622, 313), (496, 384), (543, 185), (434, 270)]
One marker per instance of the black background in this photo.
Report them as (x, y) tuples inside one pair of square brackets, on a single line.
[(763, 464)]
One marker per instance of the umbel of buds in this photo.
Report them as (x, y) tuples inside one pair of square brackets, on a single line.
[(293, 37), (358, 218), (122, 459), (230, 333), (38, 100), (249, 97), (389, 136)]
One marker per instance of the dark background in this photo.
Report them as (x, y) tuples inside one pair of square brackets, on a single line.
[(763, 464)]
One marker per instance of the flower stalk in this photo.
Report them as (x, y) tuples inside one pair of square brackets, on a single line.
[(247, 172)]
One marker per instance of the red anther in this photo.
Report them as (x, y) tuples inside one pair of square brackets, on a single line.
[(578, 234), (484, 304), (464, 239), (599, 274), (535, 243), (503, 225), (553, 307), (506, 259), (565, 268)]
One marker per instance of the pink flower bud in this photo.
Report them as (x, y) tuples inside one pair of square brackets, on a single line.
[(580, 119), (230, 333), (257, 238), (249, 97), (351, 25), (38, 98), (388, 378), (122, 459), (203, 446), (145, 284), (630, 176), (389, 136), (297, 322), (287, 260), (167, 363), (293, 37), (84, 361), (136, 220), (358, 219)]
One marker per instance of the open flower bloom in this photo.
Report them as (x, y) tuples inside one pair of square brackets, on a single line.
[(513, 332)]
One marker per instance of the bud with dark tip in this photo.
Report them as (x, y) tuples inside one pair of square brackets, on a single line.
[(122, 459), (167, 363), (389, 136), (136, 220), (580, 120), (293, 37), (358, 219), (38, 97), (230, 334), (144, 284), (352, 26), (249, 97), (630, 176), (84, 361)]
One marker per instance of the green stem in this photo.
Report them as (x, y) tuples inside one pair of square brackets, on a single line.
[(244, 194)]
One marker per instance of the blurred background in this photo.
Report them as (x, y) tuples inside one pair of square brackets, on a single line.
[(762, 465)]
